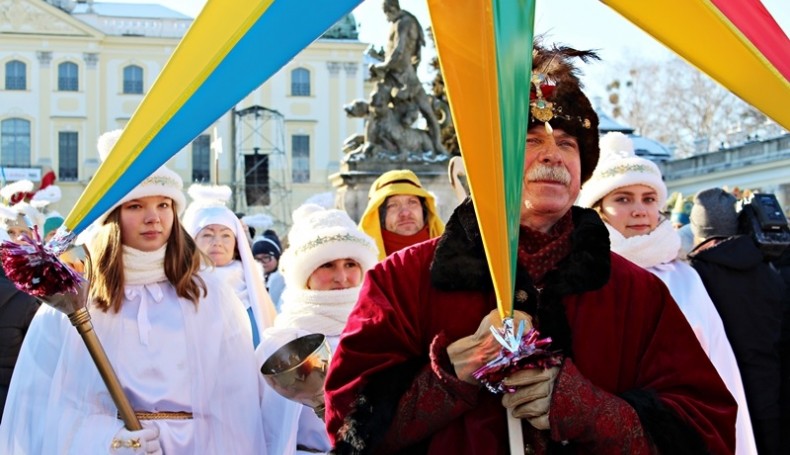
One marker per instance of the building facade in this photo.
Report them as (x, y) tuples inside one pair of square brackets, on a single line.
[(761, 166), (70, 71)]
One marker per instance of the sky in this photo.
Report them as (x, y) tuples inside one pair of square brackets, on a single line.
[(592, 25)]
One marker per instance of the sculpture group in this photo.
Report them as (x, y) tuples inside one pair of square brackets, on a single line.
[(397, 101)]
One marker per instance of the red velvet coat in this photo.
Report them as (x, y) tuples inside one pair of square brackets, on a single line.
[(635, 379)]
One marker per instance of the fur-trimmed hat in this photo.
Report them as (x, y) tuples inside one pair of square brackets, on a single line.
[(163, 182), (556, 99), (319, 236), (713, 214), (208, 207), (620, 167), (259, 221)]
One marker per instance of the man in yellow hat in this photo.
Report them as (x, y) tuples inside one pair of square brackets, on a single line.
[(400, 212)]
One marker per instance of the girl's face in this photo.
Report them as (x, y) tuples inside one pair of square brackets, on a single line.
[(15, 234), (217, 241), (338, 274), (146, 223), (632, 210)]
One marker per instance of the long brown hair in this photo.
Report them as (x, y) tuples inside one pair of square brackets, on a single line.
[(183, 259)]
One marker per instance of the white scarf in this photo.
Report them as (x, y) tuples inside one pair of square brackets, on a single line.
[(143, 267), (233, 275), (323, 312), (659, 246)]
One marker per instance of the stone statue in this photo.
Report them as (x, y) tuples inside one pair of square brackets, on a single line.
[(397, 101)]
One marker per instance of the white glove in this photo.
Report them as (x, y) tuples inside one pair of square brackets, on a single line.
[(145, 441), (532, 397)]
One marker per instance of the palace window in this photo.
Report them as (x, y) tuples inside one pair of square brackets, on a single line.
[(133, 80), (300, 158), (68, 156), (300, 82), (15, 75), (68, 77), (201, 159), (15, 142)]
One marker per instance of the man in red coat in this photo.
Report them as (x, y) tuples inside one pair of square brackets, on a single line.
[(633, 378)]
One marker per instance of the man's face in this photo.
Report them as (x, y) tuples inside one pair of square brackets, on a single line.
[(404, 214), (552, 176)]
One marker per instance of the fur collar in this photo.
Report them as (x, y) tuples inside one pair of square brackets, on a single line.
[(460, 264)]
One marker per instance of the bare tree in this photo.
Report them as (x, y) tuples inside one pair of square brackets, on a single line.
[(676, 104)]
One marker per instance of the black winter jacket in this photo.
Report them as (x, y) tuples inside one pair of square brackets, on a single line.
[(749, 295), (16, 312)]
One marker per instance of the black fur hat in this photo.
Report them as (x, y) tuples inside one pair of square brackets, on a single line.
[(556, 99)]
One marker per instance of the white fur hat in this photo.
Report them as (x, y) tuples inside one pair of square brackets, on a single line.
[(163, 182), (618, 167), (319, 236)]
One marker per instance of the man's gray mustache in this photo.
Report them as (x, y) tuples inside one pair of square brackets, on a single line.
[(542, 172)]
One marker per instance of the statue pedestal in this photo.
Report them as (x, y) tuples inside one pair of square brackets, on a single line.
[(353, 183)]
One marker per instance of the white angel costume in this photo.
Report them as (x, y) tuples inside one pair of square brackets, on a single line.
[(318, 236), (170, 356), (243, 275), (295, 428), (658, 252)]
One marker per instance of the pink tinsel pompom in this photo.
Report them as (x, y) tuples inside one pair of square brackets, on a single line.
[(36, 270), (530, 353)]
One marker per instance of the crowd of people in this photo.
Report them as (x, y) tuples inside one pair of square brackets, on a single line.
[(660, 347)]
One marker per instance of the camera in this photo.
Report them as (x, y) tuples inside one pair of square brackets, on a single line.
[(763, 219)]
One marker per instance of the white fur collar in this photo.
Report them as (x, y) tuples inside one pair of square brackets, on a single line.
[(323, 312)]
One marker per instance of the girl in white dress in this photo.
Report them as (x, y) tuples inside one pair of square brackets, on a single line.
[(324, 266), (183, 355), (629, 192)]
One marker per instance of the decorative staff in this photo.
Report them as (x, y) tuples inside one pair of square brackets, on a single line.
[(37, 271), (489, 97)]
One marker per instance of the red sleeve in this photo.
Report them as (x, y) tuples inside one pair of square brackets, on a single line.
[(388, 363), (379, 336), (601, 422), (434, 398)]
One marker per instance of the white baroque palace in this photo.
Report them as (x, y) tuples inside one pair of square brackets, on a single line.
[(72, 70)]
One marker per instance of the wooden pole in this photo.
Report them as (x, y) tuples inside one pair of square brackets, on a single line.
[(81, 319)]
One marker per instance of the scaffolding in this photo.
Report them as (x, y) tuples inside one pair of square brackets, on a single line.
[(261, 168)]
